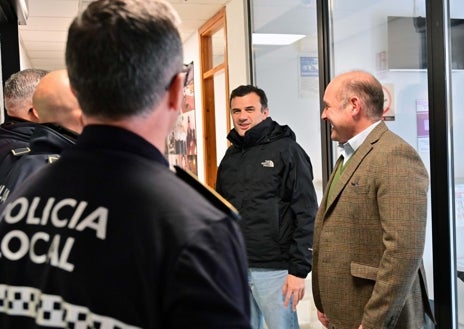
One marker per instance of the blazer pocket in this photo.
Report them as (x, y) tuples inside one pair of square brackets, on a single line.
[(359, 185), (364, 271)]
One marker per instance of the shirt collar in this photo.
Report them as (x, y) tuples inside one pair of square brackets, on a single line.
[(347, 149)]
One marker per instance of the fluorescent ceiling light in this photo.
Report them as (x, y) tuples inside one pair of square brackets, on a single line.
[(275, 39)]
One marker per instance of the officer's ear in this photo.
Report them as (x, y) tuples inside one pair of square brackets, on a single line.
[(73, 91), (33, 115), (176, 91)]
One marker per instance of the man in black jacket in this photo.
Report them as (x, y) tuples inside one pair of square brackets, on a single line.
[(268, 177), (21, 118), (60, 119), (108, 236)]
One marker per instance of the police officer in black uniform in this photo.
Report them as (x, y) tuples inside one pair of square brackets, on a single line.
[(107, 236), (60, 119), (21, 117)]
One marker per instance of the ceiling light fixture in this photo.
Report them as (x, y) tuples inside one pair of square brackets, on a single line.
[(275, 39)]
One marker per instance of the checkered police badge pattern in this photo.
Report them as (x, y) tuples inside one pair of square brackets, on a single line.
[(52, 310)]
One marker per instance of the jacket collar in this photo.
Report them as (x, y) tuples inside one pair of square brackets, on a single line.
[(119, 139), (51, 138), (264, 132)]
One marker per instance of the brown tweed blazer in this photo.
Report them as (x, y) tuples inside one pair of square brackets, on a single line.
[(369, 239)]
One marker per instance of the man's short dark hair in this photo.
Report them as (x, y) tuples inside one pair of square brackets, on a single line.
[(244, 90), (121, 55)]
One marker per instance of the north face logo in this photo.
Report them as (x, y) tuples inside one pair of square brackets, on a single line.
[(268, 163)]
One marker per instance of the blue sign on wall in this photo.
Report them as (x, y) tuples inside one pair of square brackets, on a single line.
[(309, 66)]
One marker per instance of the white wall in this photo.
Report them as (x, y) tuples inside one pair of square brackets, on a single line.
[(237, 43), (24, 61)]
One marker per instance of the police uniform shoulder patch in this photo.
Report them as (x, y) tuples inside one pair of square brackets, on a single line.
[(20, 151), (52, 158), (211, 195)]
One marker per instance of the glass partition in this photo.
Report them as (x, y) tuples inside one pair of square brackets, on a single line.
[(388, 39), (285, 66), (385, 37), (457, 79)]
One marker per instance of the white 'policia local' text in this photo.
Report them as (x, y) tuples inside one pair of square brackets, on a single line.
[(59, 248)]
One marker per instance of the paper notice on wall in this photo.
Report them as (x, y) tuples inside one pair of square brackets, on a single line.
[(422, 105), (308, 77), (459, 204), (422, 123), (388, 106)]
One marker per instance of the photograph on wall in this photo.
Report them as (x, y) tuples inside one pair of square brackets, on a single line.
[(181, 144)]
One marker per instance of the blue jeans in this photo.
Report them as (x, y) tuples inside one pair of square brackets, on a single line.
[(267, 301)]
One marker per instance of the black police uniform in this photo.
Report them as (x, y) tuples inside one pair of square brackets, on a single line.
[(14, 135), (109, 237), (46, 144)]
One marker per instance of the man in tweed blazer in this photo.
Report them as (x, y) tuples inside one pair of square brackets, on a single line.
[(370, 229)]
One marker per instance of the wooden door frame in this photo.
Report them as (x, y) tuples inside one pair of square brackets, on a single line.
[(207, 71)]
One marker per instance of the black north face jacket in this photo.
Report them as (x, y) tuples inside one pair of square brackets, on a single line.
[(268, 177)]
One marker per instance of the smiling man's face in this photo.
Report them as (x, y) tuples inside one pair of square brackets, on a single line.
[(247, 112), (337, 113)]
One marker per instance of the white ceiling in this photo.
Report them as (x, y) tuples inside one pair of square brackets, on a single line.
[(44, 35)]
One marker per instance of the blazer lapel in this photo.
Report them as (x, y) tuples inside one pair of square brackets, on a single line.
[(352, 165)]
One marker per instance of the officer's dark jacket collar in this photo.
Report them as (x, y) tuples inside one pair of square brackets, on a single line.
[(107, 137), (51, 138)]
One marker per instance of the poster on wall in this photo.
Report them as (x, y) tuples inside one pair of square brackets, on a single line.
[(181, 144), (388, 106), (422, 119), (308, 81)]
